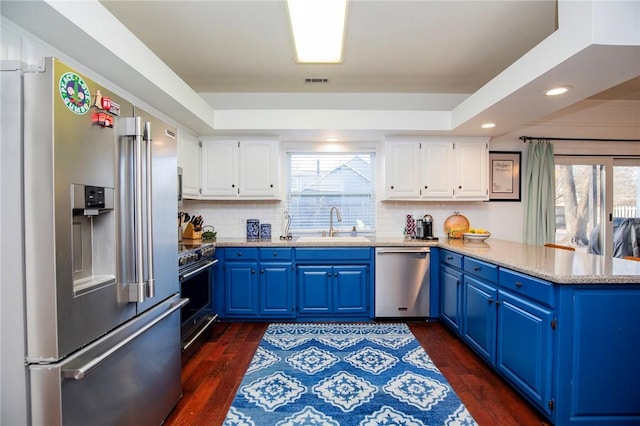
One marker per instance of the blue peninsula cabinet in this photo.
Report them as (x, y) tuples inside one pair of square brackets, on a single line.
[(571, 346), (480, 295), (451, 289), (525, 335)]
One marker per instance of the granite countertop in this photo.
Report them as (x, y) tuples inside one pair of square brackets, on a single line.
[(326, 242), (555, 265)]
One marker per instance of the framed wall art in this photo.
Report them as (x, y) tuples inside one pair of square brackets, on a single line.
[(504, 175)]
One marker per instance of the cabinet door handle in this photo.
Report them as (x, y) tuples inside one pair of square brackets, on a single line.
[(233, 185), (239, 254), (518, 284), (262, 271), (253, 271), (459, 186), (391, 186), (275, 254), (458, 282), (449, 257), (335, 274), (490, 300), (476, 268)]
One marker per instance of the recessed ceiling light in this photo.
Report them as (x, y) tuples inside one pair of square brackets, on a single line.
[(488, 125), (557, 91), (318, 29), (332, 139)]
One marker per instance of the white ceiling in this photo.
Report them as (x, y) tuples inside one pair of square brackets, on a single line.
[(410, 66), (390, 46)]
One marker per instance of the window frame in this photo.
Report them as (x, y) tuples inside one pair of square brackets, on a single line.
[(609, 162), (338, 149)]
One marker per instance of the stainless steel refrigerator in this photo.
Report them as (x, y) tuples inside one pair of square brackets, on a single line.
[(100, 299)]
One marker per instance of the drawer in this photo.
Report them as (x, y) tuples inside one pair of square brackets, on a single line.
[(452, 259), (481, 269), (275, 253), (240, 253), (534, 288), (344, 255)]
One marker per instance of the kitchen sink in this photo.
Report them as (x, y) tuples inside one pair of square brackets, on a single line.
[(333, 240)]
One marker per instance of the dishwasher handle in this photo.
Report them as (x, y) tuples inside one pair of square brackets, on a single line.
[(396, 251)]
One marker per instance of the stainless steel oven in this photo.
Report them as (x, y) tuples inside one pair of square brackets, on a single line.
[(195, 272)]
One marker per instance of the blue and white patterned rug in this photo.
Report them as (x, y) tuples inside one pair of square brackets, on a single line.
[(344, 374)]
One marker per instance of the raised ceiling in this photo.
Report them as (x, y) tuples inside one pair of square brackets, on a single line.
[(391, 46), (410, 66)]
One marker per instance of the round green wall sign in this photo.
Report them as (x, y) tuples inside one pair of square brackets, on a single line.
[(75, 93)]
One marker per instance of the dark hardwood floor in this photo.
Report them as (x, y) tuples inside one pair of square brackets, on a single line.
[(210, 379)]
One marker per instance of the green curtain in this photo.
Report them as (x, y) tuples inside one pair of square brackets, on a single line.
[(539, 211)]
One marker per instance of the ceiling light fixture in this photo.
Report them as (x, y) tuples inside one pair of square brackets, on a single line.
[(557, 91), (488, 125), (318, 29), (332, 139)]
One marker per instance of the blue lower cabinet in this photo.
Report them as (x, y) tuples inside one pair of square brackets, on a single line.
[(598, 367), (572, 350), (255, 289), (480, 317), (451, 296), (350, 294), (241, 289), (334, 283), (332, 290), (525, 347), (262, 283), (315, 284), (277, 290)]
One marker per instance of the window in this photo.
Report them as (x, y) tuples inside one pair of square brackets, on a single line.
[(597, 204), (319, 181)]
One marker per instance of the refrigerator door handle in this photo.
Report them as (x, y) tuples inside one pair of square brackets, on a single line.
[(138, 290), (151, 288), (82, 371)]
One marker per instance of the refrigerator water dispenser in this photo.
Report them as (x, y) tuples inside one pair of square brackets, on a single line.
[(93, 238)]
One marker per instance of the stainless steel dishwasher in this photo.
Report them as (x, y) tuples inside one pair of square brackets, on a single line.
[(402, 282)]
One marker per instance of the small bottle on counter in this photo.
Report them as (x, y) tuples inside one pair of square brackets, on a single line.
[(354, 233)]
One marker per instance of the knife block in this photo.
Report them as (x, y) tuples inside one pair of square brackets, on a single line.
[(190, 233)]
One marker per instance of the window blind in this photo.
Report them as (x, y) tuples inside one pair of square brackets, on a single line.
[(319, 181)]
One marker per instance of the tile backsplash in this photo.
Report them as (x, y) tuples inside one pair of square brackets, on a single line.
[(229, 217)]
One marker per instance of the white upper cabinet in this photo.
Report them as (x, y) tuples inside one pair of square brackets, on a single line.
[(402, 169), (189, 160), (259, 169), (220, 169), (240, 169), (437, 169), (471, 161)]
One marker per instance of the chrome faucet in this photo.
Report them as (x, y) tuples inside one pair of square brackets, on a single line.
[(333, 232)]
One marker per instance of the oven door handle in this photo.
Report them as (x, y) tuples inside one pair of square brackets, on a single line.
[(202, 330), (205, 266)]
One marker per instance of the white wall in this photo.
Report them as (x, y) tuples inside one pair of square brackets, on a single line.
[(599, 118), (503, 219)]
